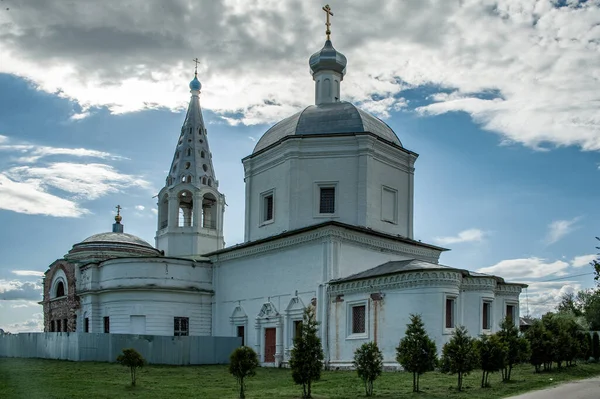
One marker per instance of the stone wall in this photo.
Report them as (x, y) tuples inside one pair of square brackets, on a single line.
[(61, 308)]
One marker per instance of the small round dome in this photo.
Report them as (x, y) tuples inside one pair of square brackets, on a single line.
[(329, 59), (110, 245), (327, 119), (195, 84)]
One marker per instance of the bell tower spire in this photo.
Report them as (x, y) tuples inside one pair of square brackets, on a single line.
[(190, 206)]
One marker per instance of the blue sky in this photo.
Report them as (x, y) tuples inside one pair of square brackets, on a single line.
[(508, 170)]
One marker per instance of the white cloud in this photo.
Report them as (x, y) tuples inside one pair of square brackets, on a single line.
[(19, 290), (533, 267), (526, 70), (470, 235), (31, 198), (29, 153), (28, 273), (140, 207), (154, 211), (559, 229), (34, 324), (583, 260), (543, 297)]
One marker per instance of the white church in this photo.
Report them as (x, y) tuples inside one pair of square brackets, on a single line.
[(328, 223)]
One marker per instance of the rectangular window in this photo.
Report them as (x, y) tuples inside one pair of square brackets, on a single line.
[(268, 208), (86, 325), (486, 316), (240, 333), (66, 324), (389, 206), (181, 326), (297, 328), (106, 325), (58, 326), (510, 312), (450, 302), (327, 200), (359, 319), (52, 326)]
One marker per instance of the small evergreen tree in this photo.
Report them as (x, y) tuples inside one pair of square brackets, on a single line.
[(417, 352), (243, 362), (588, 346), (458, 355), (492, 353), (517, 347), (306, 360), (596, 346), (368, 361), (132, 359)]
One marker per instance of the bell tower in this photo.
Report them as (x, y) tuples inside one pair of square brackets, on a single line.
[(190, 206)]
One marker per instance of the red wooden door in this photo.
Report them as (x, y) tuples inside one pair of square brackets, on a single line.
[(270, 345)]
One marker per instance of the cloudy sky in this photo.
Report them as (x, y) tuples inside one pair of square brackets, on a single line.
[(500, 98)]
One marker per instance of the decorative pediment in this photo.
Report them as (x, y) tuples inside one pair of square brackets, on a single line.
[(268, 310), (238, 314), (295, 306)]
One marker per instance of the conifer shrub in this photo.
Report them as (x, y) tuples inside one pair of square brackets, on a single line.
[(417, 352), (458, 355), (517, 347), (132, 359), (306, 360), (368, 361), (596, 346), (243, 362), (492, 353)]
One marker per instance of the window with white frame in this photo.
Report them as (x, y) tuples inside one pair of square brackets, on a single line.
[(357, 320), (267, 211), (389, 204), (326, 198), (486, 315), (450, 312)]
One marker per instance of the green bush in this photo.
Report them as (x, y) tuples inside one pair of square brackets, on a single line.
[(492, 353), (243, 362), (417, 352), (458, 355), (596, 346), (368, 361), (306, 360), (132, 359)]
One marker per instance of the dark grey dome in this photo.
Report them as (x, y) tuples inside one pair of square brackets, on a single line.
[(328, 59), (329, 118)]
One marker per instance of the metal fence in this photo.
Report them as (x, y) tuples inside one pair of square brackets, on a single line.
[(106, 347)]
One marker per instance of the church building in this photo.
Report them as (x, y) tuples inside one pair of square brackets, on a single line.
[(328, 223)]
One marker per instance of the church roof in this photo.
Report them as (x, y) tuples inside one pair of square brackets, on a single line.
[(401, 266), (111, 237), (325, 119), (324, 224)]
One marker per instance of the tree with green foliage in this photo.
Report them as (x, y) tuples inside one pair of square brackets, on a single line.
[(596, 346), (368, 361), (458, 355), (536, 335), (417, 352), (243, 362), (596, 265), (517, 346), (588, 346), (306, 360), (492, 354), (132, 359)]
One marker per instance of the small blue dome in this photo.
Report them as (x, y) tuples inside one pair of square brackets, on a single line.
[(328, 58), (195, 84)]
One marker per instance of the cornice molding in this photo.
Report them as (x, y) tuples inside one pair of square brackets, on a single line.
[(329, 233), (478, 284), (442, 279), (508, 290)]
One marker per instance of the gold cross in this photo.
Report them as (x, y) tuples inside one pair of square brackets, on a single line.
[(327, 10), (197, 61), (118, 210)]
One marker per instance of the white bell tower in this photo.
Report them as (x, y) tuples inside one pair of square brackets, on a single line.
[(190, 206)]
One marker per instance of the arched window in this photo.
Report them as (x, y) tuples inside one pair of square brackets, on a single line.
[(209, 183), (190, 130), (204, 180), (163, 212), (187, 165), (177, 155), (327, 87), (186, 209), (188, 152), (60, 289), (205, 168), (199, 130), (188, 179), (209, 211), (201, 154)]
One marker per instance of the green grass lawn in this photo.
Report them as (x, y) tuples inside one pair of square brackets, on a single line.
[(37, 378)]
